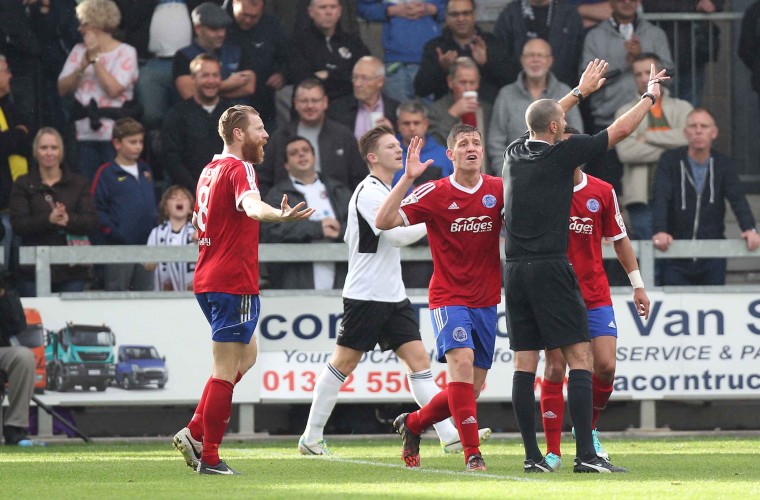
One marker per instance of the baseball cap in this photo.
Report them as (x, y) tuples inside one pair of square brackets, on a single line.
[(211, 15)]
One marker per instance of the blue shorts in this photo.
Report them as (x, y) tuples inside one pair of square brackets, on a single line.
[(461, 326), (232, 318), (601, 322)]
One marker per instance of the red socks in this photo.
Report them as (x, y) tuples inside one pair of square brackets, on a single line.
[(216, 416), (196, 424), (602, 391), (435, 411), (464, 410), (552, 412)]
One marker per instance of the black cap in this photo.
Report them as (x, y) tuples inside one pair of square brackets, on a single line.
[(211, 15)]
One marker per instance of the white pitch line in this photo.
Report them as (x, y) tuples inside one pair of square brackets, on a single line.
[(420, 470)]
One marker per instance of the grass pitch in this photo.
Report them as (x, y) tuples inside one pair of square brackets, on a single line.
[(709, 468)]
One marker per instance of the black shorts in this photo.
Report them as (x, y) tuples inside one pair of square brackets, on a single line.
[(368, 323), (544, 305)]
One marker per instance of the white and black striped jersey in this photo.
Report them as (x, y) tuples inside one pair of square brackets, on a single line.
[(374, 256)]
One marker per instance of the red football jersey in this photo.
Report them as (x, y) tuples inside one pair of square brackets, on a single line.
[(228, 240), (594, 215), (463, 228)]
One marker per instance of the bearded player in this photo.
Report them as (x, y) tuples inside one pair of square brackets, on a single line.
[(594, 215), (228, 210)]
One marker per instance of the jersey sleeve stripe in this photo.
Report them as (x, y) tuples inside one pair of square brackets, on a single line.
[(424, 189), (239, 201), (403, 217)]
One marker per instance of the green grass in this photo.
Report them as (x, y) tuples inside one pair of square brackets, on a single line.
[(660, 468)]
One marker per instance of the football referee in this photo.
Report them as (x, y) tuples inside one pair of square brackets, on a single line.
[(545, 309)]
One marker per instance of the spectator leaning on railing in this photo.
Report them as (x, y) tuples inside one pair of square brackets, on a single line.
[(691, 188)]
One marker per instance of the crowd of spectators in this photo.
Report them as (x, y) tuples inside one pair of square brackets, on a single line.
[(114, 105)]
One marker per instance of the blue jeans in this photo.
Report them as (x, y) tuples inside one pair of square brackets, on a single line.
[(694, 272), (156, 91), (5, 220), (640, 216), (399, 84), (92, 154)]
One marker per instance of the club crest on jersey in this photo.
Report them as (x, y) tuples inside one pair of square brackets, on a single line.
[(593, 205), (489, 201), (459, 334)]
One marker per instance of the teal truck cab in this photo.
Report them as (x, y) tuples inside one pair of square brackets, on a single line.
[(80, 355)]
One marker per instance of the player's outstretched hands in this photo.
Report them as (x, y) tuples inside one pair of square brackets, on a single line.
[(414, 165), (299, 212), (593, 78), (655, 79)]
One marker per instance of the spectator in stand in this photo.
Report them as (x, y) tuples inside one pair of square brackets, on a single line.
[(701, 36), (335, 147), (56, 26), (462, 104), (349, 21), (554, 21), (15, 148), (367, 108), (592, 12), (329, 199), (662, 130), (691, 188), (19, 43), (413, 122), (324, 51), (618, 42), (535, 81), (52, 206), (210, 24), (189, 136), (157, 29), (100, 73), (125, 199), (749, 43), (462, 37), (407, 27), (174, 228), (265, 42), (18, 363)]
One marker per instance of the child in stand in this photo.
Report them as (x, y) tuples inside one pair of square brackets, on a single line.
[(175, 228)]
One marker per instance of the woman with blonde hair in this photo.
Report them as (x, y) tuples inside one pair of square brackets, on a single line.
[(101, 73), (49, 206)]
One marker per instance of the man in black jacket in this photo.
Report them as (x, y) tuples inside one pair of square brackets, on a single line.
[(189, 136), (368, 107), (18, 364), (691, 187), (325, 51), (327, 224), (462, 37), (335, 146)]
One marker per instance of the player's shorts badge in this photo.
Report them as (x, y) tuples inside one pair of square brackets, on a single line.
[(459, 334), (593, 205), (489, 201)]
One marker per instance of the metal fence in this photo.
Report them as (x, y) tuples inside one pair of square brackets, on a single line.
[(44, 256)]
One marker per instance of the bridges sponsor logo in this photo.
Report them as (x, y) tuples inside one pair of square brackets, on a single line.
[(480, 224), (581, 225)]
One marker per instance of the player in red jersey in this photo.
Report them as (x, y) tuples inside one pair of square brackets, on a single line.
[(463, 214), (594, 216), (227, 213)]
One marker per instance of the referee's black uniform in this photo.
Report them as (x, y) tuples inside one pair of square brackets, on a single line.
[(544, 305)]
